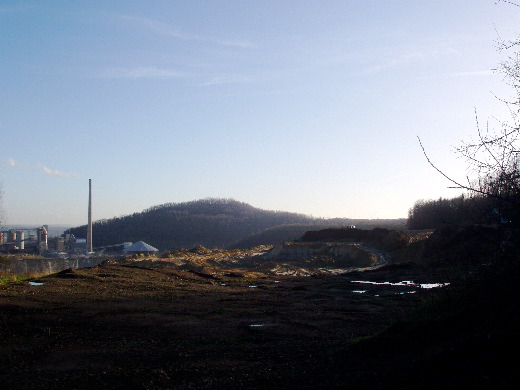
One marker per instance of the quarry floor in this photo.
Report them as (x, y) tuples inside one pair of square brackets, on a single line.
[(127, 327)]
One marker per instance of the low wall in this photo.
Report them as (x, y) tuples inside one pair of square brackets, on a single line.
[(44, 265)]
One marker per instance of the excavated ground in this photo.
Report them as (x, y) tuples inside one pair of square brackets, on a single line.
[(127, 326), (213, 319)]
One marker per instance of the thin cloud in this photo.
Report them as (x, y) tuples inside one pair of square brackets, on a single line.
[(412, 57), (20, 165), (167, 30), (16, 164), (142, 73), (474, 73), (402, 60), (56, 173), (233, 43), (159, 27), (227, 79)]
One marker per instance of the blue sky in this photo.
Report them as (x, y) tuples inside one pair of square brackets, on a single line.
[(305, 106)]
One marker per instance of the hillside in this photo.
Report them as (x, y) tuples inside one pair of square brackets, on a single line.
[(213, 223)]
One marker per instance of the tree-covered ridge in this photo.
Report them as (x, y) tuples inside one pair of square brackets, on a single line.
[(463, 210), (209, 222)]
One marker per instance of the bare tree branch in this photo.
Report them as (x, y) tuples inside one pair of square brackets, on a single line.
[(458, 184)]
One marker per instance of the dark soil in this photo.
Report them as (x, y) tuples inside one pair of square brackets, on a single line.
[(127, 327)]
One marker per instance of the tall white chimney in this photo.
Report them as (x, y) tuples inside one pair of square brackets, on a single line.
[(89, 227)]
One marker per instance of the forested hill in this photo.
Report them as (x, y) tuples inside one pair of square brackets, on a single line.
[(213, 223)]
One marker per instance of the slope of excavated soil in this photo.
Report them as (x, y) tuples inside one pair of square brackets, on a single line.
[(121, 326)]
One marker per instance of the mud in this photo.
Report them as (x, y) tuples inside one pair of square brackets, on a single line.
[(130, 326)]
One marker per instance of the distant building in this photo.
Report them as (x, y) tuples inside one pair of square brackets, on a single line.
[(79, 244), (140, 248), (24, 240)]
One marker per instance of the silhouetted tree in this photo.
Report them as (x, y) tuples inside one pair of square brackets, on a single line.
[(493, 156)]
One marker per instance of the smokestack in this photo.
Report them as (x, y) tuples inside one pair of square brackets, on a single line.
[(89, 227)]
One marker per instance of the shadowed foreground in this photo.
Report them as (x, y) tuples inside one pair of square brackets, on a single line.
[(121, 326)]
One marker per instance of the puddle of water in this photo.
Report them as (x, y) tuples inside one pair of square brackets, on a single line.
[(36, 284), (359, 291), (259, 325), (404, 283), (433, 285), (406, 292), (252, 286)]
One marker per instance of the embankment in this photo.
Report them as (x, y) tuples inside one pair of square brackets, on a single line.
[(337, 254), (15, 265)]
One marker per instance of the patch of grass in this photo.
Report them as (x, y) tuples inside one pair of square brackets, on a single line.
[(7, 257), (9, 278)]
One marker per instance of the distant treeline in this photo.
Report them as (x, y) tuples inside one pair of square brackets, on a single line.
[(462, 210), (213, 223)]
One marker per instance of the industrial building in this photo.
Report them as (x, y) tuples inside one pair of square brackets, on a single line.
[(24, 240), (37, 240)]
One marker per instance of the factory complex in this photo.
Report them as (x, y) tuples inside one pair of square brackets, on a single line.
[(38, 241)]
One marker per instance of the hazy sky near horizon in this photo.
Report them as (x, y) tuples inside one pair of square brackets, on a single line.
[(305, 106)]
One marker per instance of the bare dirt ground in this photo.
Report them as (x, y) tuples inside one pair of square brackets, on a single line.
[(122, 326), (217, 319)]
